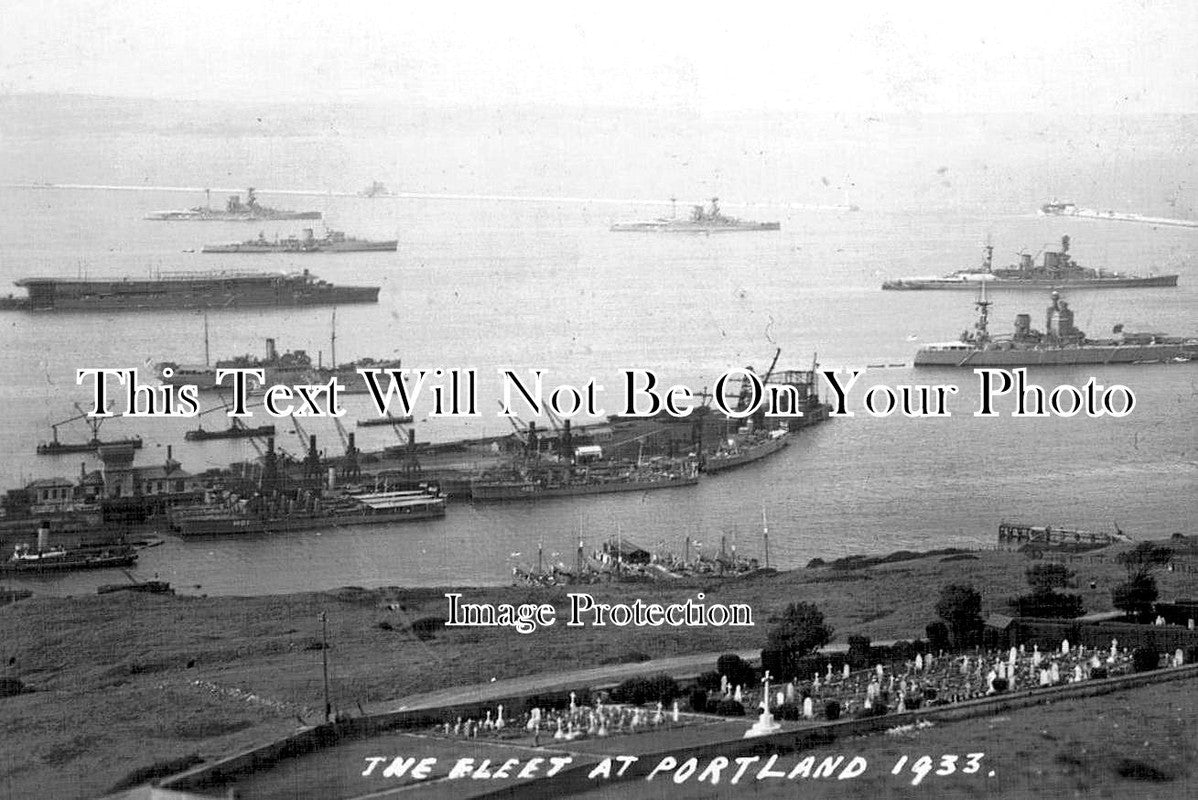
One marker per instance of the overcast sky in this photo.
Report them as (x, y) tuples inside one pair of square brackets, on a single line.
[(1102, 56)]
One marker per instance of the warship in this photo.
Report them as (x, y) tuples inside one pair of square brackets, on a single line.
[(331, 242), (1056, 209), (1058, 271), (293, 367), (701, 221), (547, 481), (736, 452), (1062, 343), (310, 510), (234, 211), (185, 290)]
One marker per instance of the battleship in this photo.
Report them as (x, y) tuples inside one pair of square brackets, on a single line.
[(237, 430), (1055, 209), (1062, 343), (234, 211), (701, 220), (312, 510), (293, 367), (331, 242), (1058, 271), (185, 290), (54, 447)]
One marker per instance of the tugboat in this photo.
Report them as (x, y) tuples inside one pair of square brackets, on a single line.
[(234, 211), (1062, 343), (1058, 271), (701, 221), (45, 557), (331, 242)]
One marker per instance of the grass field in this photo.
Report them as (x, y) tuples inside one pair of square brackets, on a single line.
[(123, 682)]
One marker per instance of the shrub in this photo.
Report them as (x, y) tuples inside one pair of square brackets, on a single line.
[(832, 710), (426, 627), (384, 625), (937, 633), (1000, 685), (779, 664), (960, 606), (858, 656), (698, 700), (709, 681), (878, 710), (730, 708), (1047, 604), (1136, 596), (1144, 659), (736, 669), (788, 712), (801, 630), (1098, 673), (646, 689)]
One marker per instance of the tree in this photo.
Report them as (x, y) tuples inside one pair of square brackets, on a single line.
[(1048, 577), (1136, 596), (1044, 600), (801, 631), (960, 606), (1145, 558)]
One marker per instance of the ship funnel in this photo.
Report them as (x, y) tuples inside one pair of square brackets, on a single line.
[(411, 437), (271, 353), (312, 443), (349, 445), (43, 537)]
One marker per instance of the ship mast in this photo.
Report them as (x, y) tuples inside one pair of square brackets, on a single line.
[(333, 340), (982, 325)]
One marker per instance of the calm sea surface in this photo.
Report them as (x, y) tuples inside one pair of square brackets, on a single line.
[(490, 284)]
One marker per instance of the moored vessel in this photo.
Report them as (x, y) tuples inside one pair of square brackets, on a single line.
[(743, 450), (186, 290), (27, 558), (1058, 270), (313, 510), (701, 220), (1061, 343), (595, 478), (234, 211)]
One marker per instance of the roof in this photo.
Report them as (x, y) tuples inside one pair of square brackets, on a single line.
[(159, 471), (999, 621), (48, 482)]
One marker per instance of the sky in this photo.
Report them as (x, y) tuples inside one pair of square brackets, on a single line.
[(1099, 56)]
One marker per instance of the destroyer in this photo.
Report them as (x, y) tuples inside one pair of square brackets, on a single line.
[(1061, 343), (331, 242), (186, 290), (1058, 271), (234, 211), (701, 221)]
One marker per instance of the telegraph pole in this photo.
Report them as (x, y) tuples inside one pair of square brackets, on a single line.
[(324, 654)]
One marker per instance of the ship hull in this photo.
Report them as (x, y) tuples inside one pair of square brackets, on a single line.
[(1116, 216), (70, 563), (212, 291), (351, 382), (60, 448), (746, 456), (201, 435), (533, 491), (237, 524), (336, 247), (221, 216), (671, 227), (1065, 356), (916, 284)]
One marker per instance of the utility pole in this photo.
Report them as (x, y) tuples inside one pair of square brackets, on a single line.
[(324, 654)]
